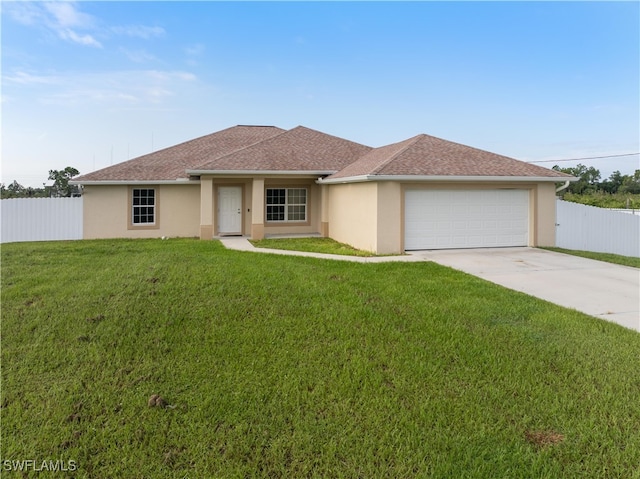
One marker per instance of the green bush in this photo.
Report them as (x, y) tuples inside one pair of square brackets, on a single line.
[(605, 200)]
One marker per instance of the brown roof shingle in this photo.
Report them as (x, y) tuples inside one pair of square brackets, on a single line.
[(299, 149), (171, 163), (268, 148), (425, 155)]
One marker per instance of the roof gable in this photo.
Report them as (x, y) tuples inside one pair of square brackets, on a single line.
[(374, 160), (171, 163), (425, 155), (299, 149)]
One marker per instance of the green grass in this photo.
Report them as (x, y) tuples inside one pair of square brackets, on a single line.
[(313, 245), (607, 257), (281, 366)]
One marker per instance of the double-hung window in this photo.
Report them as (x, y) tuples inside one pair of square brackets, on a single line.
[(287, 204), (143, 211)]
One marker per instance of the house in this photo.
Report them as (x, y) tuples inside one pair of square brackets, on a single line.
[(259, 181)]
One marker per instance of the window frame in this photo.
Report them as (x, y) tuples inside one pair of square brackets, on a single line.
[(155, 224), (286, 205)]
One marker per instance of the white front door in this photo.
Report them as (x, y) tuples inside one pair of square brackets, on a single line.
[(230, 210)]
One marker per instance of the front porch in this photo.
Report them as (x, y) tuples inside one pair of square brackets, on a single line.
[(263, 207)]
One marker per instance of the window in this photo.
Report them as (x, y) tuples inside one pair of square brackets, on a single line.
[(286, 204), (144, 206)]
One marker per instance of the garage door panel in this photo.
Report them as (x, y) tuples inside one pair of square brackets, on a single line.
[(459, 209), (490, 211), (474, 225), (440, 219)]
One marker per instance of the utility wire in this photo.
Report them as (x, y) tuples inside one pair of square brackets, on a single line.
[(586, 158)]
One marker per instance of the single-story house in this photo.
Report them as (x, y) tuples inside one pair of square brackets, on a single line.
[(260, 181)]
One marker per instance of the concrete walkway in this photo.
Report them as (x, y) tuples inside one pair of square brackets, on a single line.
[(243, 244), (600, 289)]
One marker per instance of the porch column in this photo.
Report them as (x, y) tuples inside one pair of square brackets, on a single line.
[(324, 210), (257, 209), (206, 208)]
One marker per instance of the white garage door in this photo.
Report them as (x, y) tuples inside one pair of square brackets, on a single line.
[(440, 219)]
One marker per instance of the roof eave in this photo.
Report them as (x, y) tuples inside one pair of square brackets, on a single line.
[(261, 172), (446, 178), (177, 181)]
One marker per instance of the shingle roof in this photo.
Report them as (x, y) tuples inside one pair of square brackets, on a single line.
[(425, 155), (299, 149), (171, 163), (268, 148)]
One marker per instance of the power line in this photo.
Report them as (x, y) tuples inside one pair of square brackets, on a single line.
[(586, 158)]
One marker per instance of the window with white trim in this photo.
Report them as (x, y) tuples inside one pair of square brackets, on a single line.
[(143, 206), (286, 204)]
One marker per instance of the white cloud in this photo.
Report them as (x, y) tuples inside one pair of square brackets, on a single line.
[(127, 88), (185, 76), (138, 56), (25, 13), (85, 39), (140, 31), (24, 78), (194, 50), (70, 23), (62, 18), (65, 14)]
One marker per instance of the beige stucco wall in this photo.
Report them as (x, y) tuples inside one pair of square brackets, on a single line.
[(353, 214), (545, 215), (106, 211), (370, 216), (390, 226)]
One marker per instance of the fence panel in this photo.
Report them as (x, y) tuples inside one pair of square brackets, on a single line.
[(588, 228), (40, 219)]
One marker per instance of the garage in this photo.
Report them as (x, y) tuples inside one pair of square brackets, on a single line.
[(444, 219)]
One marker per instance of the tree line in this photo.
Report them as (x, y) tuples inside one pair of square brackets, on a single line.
[(60, 188), (589, 181)]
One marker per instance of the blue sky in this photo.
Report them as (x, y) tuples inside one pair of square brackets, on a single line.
[(89, 84)]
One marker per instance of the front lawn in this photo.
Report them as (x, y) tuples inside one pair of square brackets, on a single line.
[(282, 366), (607, 257), (312, 244)]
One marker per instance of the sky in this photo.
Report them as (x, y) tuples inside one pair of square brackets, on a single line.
[(90, 84)]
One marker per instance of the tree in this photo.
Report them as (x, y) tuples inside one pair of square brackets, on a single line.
[(588, 178), (61, 186), (613, 184), (14, 190), (631, 184)]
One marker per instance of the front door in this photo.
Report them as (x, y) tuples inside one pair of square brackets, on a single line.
[(230, 210)]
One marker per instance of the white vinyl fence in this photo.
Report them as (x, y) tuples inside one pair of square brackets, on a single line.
[(588, 228), (40, 219)]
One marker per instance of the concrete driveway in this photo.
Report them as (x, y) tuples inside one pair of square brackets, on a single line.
[(600, 289)]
